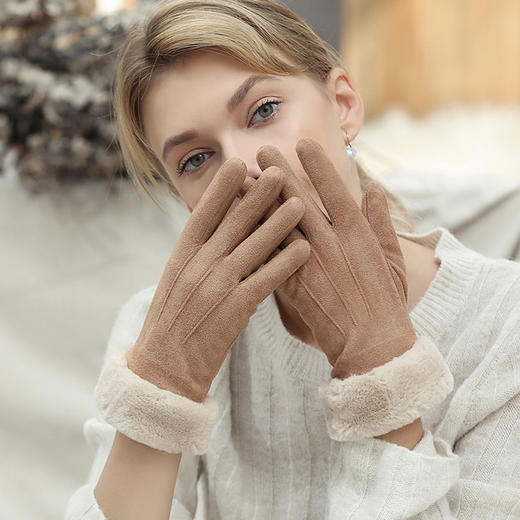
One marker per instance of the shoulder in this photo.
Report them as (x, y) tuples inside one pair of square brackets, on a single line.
[(497, 288), (486, 355), (130, 318), (491, 309), (469, 281)]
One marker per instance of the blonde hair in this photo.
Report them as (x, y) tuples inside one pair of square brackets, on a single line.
[(251, 31)]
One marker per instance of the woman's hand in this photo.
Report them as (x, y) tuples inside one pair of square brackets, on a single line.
[(214, 280), (156, 390), (352, 292)]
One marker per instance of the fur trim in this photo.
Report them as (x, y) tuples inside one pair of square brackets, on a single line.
[(388, 396), (150, 415)]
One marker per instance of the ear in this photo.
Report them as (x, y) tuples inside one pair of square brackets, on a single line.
[(347, 100)]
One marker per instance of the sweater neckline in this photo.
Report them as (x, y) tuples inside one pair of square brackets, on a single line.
[(436, 311), (441, 304)]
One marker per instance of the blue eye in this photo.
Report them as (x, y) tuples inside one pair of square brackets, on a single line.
[(260, 110), (182, 168)]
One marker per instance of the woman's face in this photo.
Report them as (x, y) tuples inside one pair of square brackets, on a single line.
[(205, 101)]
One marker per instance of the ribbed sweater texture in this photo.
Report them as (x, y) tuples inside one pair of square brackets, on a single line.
[(270, 456)]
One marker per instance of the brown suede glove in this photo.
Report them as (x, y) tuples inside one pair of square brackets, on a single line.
[(211, 286), (352, 294)]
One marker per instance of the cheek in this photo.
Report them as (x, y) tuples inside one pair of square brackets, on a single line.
[(190, 195), (316, 120), (192, 189)]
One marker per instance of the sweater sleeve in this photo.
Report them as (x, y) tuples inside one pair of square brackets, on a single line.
[(373, 478), (480, 478), (99, 435), (467, 467)]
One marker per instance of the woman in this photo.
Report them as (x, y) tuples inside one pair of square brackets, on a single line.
[(298, 357)]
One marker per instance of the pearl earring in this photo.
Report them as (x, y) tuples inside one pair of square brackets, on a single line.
[(351, 150)]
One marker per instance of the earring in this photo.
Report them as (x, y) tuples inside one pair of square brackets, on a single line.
[(351, 150)]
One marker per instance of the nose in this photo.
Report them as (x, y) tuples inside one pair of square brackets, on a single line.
[(245, 150)]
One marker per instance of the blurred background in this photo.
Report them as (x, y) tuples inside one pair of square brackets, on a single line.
[(441, 84)]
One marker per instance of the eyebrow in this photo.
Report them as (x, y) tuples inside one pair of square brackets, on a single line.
[(233, 102)]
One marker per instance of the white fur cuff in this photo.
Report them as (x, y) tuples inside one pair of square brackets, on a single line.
[(150, 415), (388, 396)]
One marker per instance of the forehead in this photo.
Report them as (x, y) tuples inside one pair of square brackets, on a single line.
[(199, 72), (192, 62), (191, 78), (186, 89)]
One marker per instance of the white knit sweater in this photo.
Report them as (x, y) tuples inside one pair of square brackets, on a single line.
[(270, 456)]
